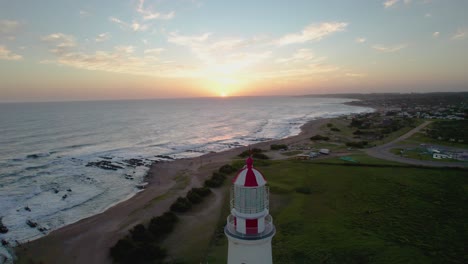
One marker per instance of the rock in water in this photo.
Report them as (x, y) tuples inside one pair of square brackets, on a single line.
[(3, 228), (31, 223)]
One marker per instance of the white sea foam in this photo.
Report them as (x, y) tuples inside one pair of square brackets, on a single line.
[(43, 172)]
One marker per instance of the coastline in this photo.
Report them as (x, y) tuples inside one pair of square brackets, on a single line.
[(89, 240)]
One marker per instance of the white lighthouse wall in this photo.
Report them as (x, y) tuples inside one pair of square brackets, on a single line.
[(240, 225), (249, 252), (261, 224)]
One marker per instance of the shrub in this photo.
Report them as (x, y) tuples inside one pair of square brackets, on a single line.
[(358, 132), (227, 169), (319, 137), (248, 152), (260, 156), (303, 190), (358, 144), (329, 124), (140, 234), (278, 146), (181, 205), (121, 251), (216, 180), (203, 191), (335, 129), (162, 225), (193, 197)]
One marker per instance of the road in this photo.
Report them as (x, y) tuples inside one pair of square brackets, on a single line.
[(383, 152)]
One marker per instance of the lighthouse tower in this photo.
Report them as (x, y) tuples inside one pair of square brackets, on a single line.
[(249, 227)]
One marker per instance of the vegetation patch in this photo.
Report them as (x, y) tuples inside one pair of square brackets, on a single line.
[(452, 131), (319, 137), (181, 205), (376, 212), (216, 180), (357, 144), (278, 146), (142, 244)]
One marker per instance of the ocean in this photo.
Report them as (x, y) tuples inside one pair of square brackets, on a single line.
[(63, 161)]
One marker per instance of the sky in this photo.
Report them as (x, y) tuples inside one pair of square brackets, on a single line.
[(52, 50)]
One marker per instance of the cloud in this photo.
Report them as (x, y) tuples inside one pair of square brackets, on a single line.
[(84, 13), (224, 56), (155, 51), (103, 37), (389, 49), (134, 26), (360, 40), (149, 14), (313, 32), (436, 34), (6, 54), (355, 75), (9, 29), (189, 41), (390, 3), (301, 55), (306, 71), (60, 42), (428, 15), (122, 59), (460, 34)]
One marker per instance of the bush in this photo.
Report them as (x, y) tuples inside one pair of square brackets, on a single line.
[(248, 152), (140, 234), (193, 197), (121, 251), (181, 205), (329, 124), (303, 190), (203, 191), (162, 225), (278, 146), (358, 132), (358, 144), (260, 156), (227, 169), (319, 137), (335, 129), (216, 180), (126, 251)]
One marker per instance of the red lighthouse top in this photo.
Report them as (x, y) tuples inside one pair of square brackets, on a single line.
[(249, 176)]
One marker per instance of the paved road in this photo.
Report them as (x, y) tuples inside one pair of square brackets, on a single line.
[(383, 152)]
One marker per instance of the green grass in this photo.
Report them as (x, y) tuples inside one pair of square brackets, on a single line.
[(419, 154), (365, 214), (419, 138)]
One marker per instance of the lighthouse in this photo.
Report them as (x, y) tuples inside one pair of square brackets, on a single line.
[(249, 227)]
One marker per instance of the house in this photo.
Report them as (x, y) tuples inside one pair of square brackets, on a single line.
[(324, 151), (313, 154), (441, 156)]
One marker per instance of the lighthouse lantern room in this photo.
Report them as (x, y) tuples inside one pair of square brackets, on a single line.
[(249, 227)]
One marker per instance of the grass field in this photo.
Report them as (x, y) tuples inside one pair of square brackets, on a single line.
[(379, 213), (422, 138)]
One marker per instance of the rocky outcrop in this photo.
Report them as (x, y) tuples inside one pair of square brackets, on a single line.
[(3, 228), (104, 164)]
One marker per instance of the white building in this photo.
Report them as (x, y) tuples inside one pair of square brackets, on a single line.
[(249, 227)]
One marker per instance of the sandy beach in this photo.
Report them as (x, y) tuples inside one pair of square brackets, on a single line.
[(88, 240)]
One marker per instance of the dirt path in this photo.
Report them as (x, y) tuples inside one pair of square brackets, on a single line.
[(88, 241), (383, 152)]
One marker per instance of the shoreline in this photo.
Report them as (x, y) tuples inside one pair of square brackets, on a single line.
[(88, 240)]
